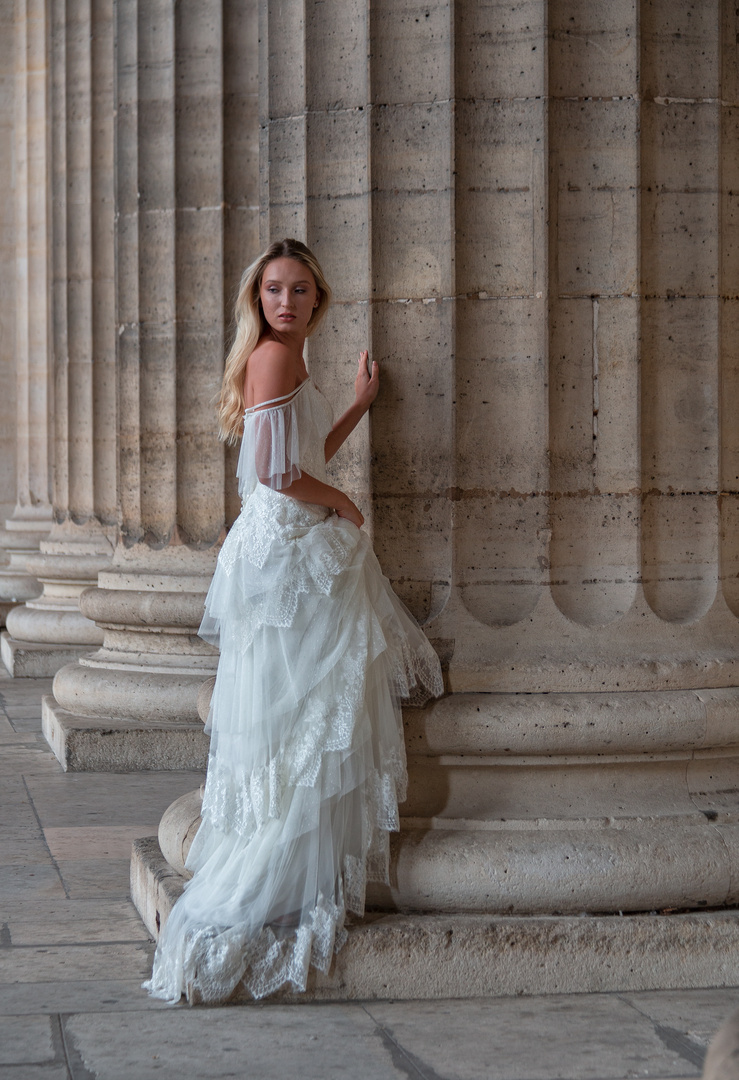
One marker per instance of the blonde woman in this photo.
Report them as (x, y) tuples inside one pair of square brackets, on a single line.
[(307, 763)]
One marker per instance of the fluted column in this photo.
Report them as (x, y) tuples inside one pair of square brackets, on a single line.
[(142, 684), (7, 271), (529, 217), (30, 520), (46, 633)]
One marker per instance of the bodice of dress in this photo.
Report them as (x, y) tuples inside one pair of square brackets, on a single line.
[(284, 438)]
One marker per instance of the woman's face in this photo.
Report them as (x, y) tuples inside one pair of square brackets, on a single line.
[(289, 296)]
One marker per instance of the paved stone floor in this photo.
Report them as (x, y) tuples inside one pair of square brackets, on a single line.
[(73, 953)]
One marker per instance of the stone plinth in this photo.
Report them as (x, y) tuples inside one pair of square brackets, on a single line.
[(138, 693), (437, 956), (19, 540), (48, 632)]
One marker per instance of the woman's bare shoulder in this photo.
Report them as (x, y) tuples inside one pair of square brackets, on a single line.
[(271, 371)]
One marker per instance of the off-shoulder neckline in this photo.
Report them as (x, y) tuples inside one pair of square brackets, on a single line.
[(284, 399)]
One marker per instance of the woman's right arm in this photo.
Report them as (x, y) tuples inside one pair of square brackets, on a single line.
[(308, 489), (271, 374)]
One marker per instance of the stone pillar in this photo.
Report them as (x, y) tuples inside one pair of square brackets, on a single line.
[(7, 266), (133, 703), (528, 212), (30, 520), (46, 633), (585, 759), (549, 259)]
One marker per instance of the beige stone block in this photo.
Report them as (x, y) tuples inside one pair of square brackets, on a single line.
[(287, 164), (680, 200), (336, 47), (680, 555), (52, 963), (333, 354), (501, 395), (409, 147), (93, 841), (282, 36), (500, 200), (199, 105), (729, 548), (594, 554), (412, 540), (680, 390), (594, 395), (72, 922), (568, 726), (409, 58), (102, 744), (340, 242), (35, 660), (337, 153), (680, 148), (199, 269), (549, 795), (501, 550), (411, 420), (617, 340), (500, 50), (593, 50), (411, 245), (635, 868), (25, 1042), (157, 286), (680, 49), (729, 172), (594, 197), (402, 956), (177, 829)]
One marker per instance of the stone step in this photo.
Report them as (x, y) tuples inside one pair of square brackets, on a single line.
[(100, 744), (401, 957)]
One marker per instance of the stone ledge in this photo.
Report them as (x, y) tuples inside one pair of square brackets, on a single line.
[(100, 744), (37, 660), (391, 956)]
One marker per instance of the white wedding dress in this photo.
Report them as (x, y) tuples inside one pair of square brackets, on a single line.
[(307, 761)]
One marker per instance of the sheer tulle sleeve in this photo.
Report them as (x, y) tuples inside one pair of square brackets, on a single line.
[(270, 448)]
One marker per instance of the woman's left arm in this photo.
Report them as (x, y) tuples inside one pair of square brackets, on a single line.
[(365, 392)]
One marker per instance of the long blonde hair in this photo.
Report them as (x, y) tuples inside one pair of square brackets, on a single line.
[(251, 325)]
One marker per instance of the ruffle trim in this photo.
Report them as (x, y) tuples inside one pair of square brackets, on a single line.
[(307, 557), (216, 960)]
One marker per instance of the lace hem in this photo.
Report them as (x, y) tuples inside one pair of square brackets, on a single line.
[(214, 961)]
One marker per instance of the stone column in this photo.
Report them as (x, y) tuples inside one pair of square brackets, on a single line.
[(586, 756), (133, 702), (30, 520), (528, 211), (7, 265), (46, 633)]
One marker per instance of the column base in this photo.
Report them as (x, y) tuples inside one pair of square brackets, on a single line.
[(104, 744), (402, 957), (6, 606), (34, 660)]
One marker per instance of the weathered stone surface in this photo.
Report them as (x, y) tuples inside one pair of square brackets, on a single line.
[(31, 659), (432, 956), (104, 744)]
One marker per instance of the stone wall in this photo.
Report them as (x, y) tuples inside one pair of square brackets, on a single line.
[(528, 214)]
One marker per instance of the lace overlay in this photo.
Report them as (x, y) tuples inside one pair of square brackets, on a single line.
[(307, 761)]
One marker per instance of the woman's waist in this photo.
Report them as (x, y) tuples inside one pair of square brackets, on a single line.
[(284, 510)]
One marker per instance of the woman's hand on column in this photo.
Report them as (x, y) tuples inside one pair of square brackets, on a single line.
[(367, 382)]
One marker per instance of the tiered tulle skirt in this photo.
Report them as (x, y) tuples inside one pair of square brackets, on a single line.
[(307, 762)]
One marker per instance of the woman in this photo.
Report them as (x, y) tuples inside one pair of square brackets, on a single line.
[(307, 762)]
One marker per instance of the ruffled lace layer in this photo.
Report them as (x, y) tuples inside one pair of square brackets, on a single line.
[(307, 760)]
